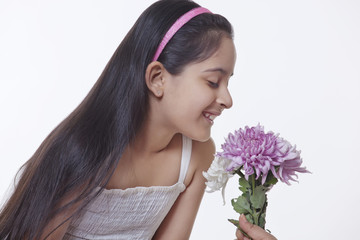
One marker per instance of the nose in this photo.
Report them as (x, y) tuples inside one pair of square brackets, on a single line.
[(224, 98)]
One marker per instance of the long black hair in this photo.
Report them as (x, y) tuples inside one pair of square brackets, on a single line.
[(81, 153)]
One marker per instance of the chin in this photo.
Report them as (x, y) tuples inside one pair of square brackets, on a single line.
[(199, 137), (203, 140)]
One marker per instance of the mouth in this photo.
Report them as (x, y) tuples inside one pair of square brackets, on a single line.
[(210, 117)]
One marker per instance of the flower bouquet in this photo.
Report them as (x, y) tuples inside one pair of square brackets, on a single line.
[(260, 159)]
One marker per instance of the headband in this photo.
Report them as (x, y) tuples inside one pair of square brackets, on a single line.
[(176, 26)]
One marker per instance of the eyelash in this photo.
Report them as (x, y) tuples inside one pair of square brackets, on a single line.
[(213, 84)]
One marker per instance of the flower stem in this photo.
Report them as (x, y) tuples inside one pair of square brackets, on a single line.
[(252, 183), (240, 173), (255, 214)]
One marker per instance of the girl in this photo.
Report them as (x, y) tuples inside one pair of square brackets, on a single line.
[(127, 162)]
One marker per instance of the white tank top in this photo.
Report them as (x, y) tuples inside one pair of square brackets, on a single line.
[(133, 213)]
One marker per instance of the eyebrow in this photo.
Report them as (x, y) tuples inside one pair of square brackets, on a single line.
[(221, 70)]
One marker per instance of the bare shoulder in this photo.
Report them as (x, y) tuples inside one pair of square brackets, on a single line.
[(203, 154), (179, 221)]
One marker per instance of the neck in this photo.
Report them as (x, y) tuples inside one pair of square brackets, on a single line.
[(153, 137)]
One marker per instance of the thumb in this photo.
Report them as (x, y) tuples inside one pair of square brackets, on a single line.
[(255, 232)]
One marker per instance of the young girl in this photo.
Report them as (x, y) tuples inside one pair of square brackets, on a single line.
[(127, 162)]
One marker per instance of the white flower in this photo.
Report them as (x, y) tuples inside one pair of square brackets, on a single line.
[(217, 176)]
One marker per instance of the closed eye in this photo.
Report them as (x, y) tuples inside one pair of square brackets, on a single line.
[(213, 84)]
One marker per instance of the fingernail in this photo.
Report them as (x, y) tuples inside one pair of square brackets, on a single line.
[(242, 216)]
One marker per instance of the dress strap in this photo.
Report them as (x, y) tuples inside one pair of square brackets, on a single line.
[(185, 157)]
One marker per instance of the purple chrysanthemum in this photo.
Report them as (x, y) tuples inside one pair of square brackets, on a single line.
[(258, 152)]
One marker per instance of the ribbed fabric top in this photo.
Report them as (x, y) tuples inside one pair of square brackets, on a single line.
[(133, 213)]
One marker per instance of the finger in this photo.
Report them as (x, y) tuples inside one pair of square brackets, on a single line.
[(255, 232), (239, 235)]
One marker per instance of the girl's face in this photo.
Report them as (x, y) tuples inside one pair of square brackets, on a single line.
[(194, 98)]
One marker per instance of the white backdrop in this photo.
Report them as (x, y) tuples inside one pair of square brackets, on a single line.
[(297, 73)]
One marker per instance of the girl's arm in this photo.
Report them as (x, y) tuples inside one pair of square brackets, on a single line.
[(255, 232), (58, 221), (178, 223), (59, 233)]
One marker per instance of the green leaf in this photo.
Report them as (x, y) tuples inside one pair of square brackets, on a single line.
[(262, 221), (244, 183), (241, 205), (271, 181), (235, 222), (258, 198), (249, 218), (246, 195), (243, 189)]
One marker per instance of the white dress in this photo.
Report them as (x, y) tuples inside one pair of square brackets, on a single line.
[(133, 213)]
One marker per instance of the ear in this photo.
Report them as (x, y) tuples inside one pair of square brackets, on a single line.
[(154, 77)]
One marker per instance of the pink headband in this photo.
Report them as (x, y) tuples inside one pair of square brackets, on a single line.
[(176, 26)]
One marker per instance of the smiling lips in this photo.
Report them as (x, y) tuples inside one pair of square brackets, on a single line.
[(210, 117)]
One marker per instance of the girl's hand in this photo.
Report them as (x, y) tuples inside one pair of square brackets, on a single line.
[(255, 232)]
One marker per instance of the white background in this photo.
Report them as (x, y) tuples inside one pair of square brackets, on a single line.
[(297, 73)]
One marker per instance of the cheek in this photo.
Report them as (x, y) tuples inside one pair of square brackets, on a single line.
[(196, 98), (189, 98)]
